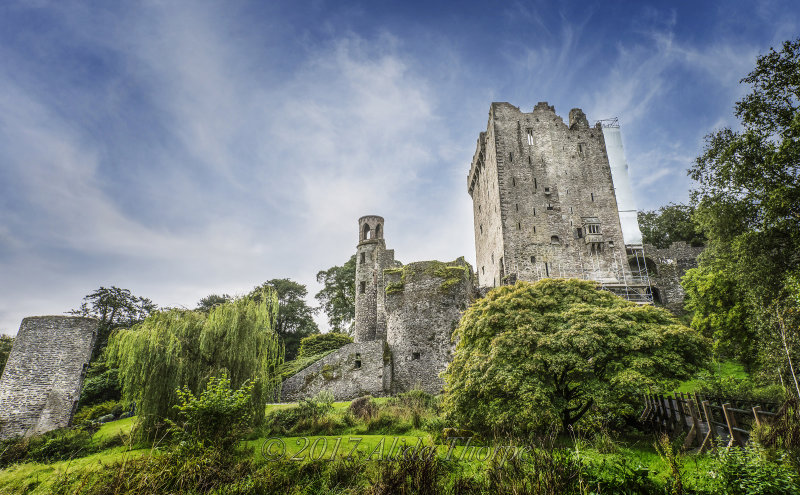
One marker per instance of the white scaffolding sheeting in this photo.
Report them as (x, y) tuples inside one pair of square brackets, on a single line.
[(622, 183)]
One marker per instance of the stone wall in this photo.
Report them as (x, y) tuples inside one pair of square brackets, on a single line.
[(42, 379), (424, 303), (538, 186), (670, 265), (354, 370)]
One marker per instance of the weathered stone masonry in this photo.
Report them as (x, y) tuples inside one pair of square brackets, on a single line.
[(42, 380), (405, 317), (543, 199)]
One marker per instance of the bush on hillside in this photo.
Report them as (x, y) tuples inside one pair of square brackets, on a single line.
[(322, 342)]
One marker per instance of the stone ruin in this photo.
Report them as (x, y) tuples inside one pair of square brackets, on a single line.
[(42, 380), (405, 317)]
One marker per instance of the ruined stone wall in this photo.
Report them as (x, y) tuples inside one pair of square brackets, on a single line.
[(424, 303), (554, 181), (670, 265), (42, 379), (352, 371)]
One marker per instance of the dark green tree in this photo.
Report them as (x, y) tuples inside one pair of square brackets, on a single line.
[(295, 317), (212, 300), (668, 224), (114, 307), (536, 356), (748, 199), (338, 295), (6, 343)]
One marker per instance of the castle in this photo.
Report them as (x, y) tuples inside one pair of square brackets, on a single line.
[(545, 205)]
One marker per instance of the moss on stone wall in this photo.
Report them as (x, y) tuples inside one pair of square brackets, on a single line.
[(452, 272)]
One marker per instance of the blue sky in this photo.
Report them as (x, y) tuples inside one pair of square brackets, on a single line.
[(185, 148)]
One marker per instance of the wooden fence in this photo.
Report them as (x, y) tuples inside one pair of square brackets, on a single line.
[(704, 419)]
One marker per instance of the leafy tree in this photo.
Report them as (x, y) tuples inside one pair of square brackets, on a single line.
[(6, 343), (338, 295), (212, 300), (532, 356), (114, 307), (174, 349), (295, 317), (668, 224), (748, 200), (719, 312)]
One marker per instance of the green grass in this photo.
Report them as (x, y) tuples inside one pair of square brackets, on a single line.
[(719, 368), (114, 428)]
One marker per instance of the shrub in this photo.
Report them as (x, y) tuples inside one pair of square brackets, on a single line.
[(746, 471), (322, 342), (92, 413), (56, 445), (220, 416), (364, 408)]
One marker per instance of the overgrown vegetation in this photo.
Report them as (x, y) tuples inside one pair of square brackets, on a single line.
[(322, 343), (176, 349)]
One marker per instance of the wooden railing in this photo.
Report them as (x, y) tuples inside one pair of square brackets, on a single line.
[(704, 419)]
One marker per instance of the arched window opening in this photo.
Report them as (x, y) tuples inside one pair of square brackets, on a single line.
[(555, 240), (365, 233), (378, 231), (363, 258)]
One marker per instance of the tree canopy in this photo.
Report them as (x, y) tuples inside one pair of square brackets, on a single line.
[(668, 224), (183, 349), (114, 307), (747, 204), (295, 317), (338, 295), (531, 356)]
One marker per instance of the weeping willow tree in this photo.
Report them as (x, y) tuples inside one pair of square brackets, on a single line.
[(178, 348)]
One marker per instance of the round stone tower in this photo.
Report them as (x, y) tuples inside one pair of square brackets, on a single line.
[(369, 258)]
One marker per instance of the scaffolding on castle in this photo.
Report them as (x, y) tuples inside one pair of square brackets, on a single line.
[(634, 287)]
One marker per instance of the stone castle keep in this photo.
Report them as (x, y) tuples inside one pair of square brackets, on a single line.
[(544, 206)]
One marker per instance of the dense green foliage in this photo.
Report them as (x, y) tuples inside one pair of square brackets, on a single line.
[(174, 349), (748, 205), (219, 416), (668, 224), (338, 295), (115, 308), (531, 356), (6, 343), (295, 318), (322, 342), (101, 384)]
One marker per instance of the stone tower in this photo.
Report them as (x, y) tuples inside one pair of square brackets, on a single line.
[(371, 259), (543, 200)]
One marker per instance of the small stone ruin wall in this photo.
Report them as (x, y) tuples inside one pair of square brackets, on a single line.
[(424, 303), (354, 370), (42, 380), (671, 264)]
